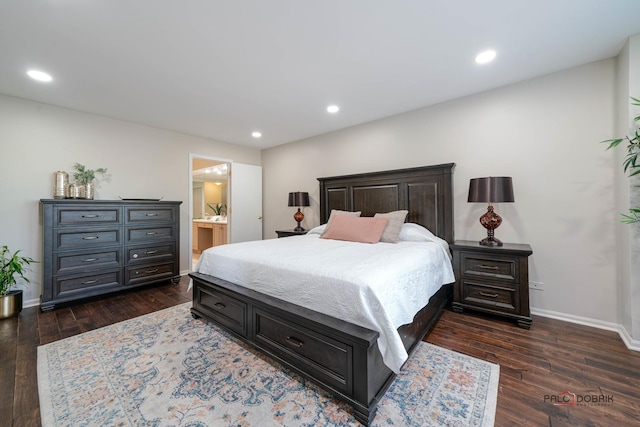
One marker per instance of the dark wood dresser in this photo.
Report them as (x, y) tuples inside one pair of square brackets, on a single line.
[(492, 279), (94, 247)]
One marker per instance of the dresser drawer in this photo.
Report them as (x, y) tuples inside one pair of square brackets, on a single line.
[(86, 285), (221, 307), (66, 239), (146, 254), (103, 216), (477, 265), (327, 359), (151, 214), (502, 298), (74, 262), (156, 234), (148, 273)]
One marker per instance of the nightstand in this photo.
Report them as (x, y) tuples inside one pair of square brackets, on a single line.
[(492, 279), (288, 233)]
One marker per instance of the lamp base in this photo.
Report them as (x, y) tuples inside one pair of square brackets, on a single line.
[(490, 220), (298, 216), (490, 241)]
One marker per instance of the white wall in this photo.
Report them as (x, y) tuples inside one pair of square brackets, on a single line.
[(543, 132), (627, 194), (634, 284), (144, 162)]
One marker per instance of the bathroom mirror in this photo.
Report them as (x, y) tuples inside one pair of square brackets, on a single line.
[(210, 187)]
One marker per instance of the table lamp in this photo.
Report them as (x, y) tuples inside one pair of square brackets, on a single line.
[(299, 199), (491, 190)]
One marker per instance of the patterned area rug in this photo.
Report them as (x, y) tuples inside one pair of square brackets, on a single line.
[(167, 369)]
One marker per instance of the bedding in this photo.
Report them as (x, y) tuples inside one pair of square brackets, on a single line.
[(396, 219), (378, 286), (355, 229)]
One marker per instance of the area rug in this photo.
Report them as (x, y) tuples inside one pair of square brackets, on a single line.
[(168, 369)]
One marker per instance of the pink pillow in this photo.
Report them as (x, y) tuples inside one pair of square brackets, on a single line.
[(355, 229)]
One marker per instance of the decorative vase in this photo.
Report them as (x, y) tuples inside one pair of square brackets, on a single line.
[(61, 189), (76, 191), (88, 190), (11, 304)]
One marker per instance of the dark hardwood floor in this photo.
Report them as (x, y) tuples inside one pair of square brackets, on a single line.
[(551, 357)]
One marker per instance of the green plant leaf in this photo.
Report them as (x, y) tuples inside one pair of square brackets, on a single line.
[(612, 142)]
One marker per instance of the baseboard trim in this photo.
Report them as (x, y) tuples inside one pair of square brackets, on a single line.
[(31, 302), (594, 323)]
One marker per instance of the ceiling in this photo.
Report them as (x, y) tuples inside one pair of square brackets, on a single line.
[(223, 69)]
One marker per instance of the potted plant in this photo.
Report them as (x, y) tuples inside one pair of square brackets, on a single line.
[(12, 267), (85, 177), (630, 163), (218, 209)]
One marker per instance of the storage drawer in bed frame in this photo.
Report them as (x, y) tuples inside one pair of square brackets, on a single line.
[(341, 357), (270, 322)]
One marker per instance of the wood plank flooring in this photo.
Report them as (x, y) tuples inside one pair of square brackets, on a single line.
[(551, 357)]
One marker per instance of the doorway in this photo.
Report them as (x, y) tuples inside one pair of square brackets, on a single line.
[(209, 204), (236, 189)]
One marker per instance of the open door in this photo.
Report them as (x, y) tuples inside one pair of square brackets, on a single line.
[(245, 214)]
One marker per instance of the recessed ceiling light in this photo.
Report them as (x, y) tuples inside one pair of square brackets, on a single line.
[(40, 76), (333, 108), (486, 56), (256, 134)]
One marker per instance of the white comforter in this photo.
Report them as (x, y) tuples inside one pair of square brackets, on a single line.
[(378, 286)]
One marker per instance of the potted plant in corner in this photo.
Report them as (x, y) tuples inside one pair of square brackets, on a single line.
[(85, 177), (631, 162), (12, 267)]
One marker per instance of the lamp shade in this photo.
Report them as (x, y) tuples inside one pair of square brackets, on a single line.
[(299, 198), (493, 189)]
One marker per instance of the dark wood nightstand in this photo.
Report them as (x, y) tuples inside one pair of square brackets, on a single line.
[(492, 279), (288, 233)]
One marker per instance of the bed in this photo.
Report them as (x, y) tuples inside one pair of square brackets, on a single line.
[(342, 356)]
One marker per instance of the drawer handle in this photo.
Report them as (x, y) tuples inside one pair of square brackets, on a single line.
[(155, 270), (152, 214), (489, 267), (88, 282), (150, 252), (219, 306), (89, 259), (90, 238), (294, 342), (90, 216), (152, 233), (484, 294)]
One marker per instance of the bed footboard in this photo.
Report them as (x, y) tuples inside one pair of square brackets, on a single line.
[(341, 357)]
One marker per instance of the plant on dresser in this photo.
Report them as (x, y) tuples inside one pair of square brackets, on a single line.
[(96, 247)]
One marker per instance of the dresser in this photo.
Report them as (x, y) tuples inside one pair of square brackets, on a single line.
[(492, 279), (94, 247)]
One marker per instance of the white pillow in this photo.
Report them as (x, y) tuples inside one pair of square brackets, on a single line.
[(317, 230), (412, 232)]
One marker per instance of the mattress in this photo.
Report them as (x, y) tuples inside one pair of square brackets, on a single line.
[(378, 286)]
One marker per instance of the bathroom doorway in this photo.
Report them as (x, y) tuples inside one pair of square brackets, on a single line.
[(217, 186), (209, 204)]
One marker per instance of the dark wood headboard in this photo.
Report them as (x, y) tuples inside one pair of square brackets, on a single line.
[(426, 192)]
